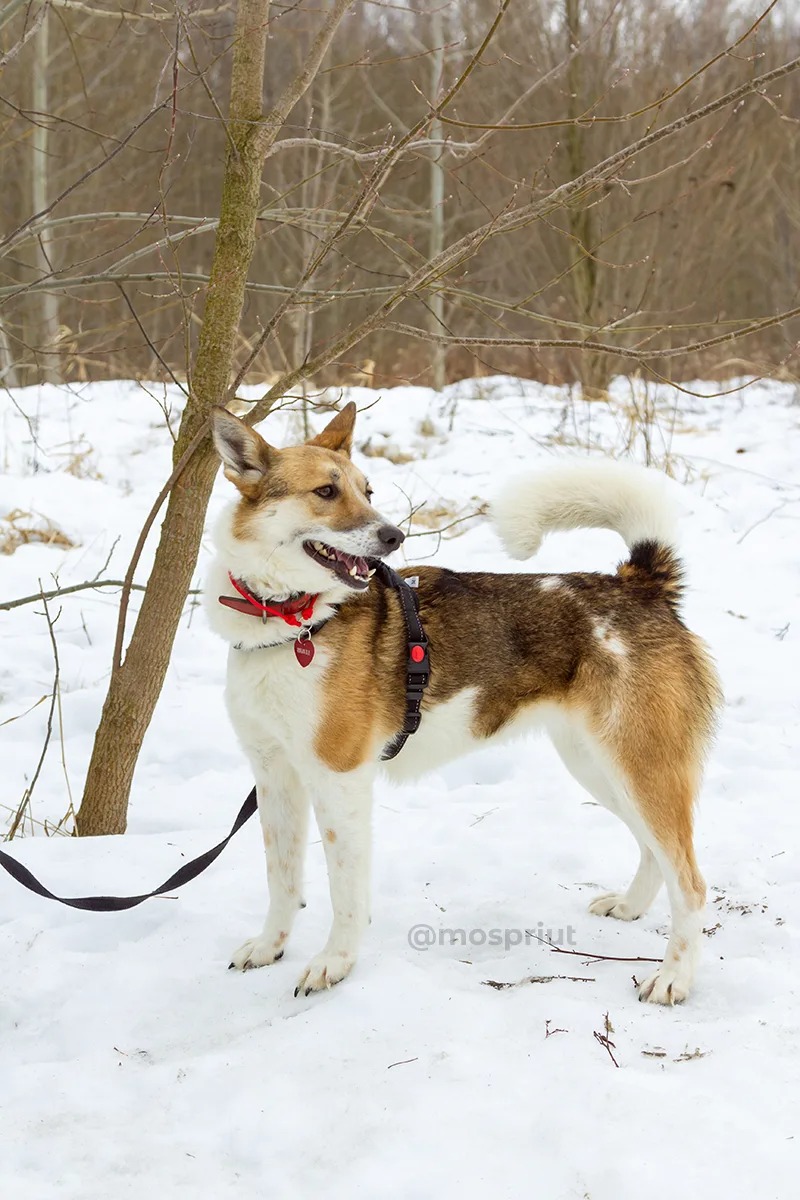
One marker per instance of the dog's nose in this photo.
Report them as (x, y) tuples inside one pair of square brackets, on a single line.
[(390, 537)]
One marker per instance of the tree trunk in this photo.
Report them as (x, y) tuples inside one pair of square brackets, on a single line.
[(46, 333), (594, 367), (136, 684), (436, 239)]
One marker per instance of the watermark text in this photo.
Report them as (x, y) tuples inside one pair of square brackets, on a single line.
[(424, 937)]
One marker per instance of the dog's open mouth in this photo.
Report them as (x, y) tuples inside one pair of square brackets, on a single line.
[(352, 570)]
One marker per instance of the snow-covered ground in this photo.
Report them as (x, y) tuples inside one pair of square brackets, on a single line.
[(134, 1065)]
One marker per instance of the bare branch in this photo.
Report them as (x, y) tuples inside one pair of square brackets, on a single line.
[(89, 585), (603, 347)]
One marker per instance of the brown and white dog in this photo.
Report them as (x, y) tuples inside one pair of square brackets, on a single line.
[(602, 662)]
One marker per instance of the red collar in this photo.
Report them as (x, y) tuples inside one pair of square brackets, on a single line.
[(287, 610)]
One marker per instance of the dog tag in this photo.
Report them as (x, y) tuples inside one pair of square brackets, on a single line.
[(304, 651)]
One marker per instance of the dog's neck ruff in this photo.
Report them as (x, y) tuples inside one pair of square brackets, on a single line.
[(288, 610)]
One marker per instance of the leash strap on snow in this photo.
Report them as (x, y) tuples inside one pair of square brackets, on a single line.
[(418, 672), (183, 875)]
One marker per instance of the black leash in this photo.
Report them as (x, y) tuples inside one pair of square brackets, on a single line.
[(185, 873), (417, 679)]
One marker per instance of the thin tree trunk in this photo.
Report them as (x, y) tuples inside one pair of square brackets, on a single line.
[(593, 369), (136, 683), (47, 317), (8, 369), (436, 240)]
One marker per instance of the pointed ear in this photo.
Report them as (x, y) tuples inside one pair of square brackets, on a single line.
[(338, 433), (246, 457)]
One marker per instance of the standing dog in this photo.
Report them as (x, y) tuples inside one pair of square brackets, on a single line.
[(602, 662)]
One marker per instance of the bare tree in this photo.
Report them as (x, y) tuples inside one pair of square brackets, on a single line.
[(332, 226)]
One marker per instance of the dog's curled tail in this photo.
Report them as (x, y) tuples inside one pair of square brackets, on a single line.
[(634, 501)]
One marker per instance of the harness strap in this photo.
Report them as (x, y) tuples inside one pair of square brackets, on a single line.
[(417, 661), (183, 875)]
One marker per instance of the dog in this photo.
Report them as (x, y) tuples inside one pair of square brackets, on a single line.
[(603, 663)]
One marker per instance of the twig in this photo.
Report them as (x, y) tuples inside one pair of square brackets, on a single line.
[(588, 954), (128, 584), (24, 804), (57, 690), (761, 520), (605, 1040), (500, 986), (19, 716), (78, 587)]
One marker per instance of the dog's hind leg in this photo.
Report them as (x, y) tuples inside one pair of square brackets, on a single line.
[(343, 809), (575, 751), (650, 780), (665, 811), (283, 808)]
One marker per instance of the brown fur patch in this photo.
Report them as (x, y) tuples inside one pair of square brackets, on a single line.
[(518, 644)]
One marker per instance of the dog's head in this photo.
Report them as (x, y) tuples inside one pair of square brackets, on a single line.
[(304, 521)]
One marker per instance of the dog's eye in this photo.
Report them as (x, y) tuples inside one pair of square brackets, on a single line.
[(328, 492), (369, 494)]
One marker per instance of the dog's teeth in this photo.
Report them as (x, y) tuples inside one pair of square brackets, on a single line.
[(371, 573), (353, 571)]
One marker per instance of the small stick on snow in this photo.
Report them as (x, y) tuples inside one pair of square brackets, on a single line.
[(588, 954), (498, 985), (605, 1038)]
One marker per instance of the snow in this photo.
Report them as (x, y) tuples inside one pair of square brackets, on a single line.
[(135, 1065)]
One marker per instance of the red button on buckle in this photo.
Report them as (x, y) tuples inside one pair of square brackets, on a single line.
[(417, 654)]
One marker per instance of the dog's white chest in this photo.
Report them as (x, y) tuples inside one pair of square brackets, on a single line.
[(272, 699)]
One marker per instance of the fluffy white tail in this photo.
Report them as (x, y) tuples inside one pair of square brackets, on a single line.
[(633, 501)]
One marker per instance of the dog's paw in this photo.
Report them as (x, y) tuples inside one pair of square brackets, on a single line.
[(613, 905), (257, 952), (324, 971), (669, 985)]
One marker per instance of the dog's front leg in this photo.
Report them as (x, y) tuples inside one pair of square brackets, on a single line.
[(343, 808), (283, 808)]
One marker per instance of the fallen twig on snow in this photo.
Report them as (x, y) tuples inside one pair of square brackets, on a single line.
[(588, 954), (605, 1038), (499, 984)]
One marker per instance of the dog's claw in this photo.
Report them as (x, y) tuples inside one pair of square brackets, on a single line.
[(258, 952)]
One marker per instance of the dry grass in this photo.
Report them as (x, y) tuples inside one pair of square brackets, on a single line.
[(388, 450), (79, 463), (20, 528), (434, 515)]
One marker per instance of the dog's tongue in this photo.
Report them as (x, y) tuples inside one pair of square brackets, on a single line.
[(351, 560)]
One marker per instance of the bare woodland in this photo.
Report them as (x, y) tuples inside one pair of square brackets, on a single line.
[(327, 191)]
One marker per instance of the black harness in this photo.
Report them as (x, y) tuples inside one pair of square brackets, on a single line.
[(417, 679), (418, 671)]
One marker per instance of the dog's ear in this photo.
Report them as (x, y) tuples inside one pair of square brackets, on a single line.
[(246, 457), (338, 433)]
